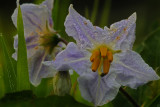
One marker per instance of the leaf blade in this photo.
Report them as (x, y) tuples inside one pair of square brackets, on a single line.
[(22, 64), (7, 73)]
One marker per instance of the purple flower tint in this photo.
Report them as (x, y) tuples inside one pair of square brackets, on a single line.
[(37, 22), (127, 67)]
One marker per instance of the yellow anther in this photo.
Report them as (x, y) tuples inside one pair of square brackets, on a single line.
[(106, 66), (100, 66), (101, 57), (103, 51), (95, 54), (110, 56), (95, 64)]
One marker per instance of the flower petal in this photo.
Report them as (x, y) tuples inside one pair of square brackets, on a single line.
[(31, 44), (122, 33), (37, 70), (131, 70), (49, 4), (82, 29), (34, 18), (96, 89), (72, 58)]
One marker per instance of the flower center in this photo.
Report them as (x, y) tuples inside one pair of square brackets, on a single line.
[(49, 41), (101, 57)]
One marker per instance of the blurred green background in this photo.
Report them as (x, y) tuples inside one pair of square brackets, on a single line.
[(101, 13)]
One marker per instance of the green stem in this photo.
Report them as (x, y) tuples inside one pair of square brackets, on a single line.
[(128, 97), (105, 13), (86, 13), (74, 87), (95, 9), (63, 40)]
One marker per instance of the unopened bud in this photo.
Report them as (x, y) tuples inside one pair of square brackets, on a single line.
[(62, 83)]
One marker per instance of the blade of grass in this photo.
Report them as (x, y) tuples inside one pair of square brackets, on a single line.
[(153, 103), (59, 13), (105, 13), (55, 13), (8, 75), (2, 86), (95, 9), (86, 13), (22, 64)]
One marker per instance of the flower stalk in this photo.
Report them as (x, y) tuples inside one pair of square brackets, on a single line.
[(129, 98)]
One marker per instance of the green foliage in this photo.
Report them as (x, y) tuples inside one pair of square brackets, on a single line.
[(44, 89), (8, 75), (155, 102), (28, 99), (148, 94), (151, 54), (59, 13), (2, 92), (94, 12), (22, 65), (105, 13), (121, 100)]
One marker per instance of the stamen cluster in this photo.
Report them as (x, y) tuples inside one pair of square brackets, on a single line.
[(101, 57)]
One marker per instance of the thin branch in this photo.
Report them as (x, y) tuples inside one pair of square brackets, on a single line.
[(64, 41), (128, 97)]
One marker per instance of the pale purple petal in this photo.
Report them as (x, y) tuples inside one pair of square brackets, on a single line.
[(60, 46), (14, 55), (31, 44), (38, 70), (49, 4), (72, 58), (51, 63), (16, 42), (82, 30), (122, 33), (131, 70), (96, 89), (34, 18)]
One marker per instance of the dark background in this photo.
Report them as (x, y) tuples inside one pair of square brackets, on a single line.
[(148, 16)]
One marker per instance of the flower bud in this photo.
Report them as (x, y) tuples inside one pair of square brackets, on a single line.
[(62, 83)]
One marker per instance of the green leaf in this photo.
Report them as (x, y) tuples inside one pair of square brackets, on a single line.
[(45, 88), (8, 75), (59, 14), (22, 65), (155, 102), (86, 13), (27, 99), (149, 50), (2, 92), (151, 55)]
